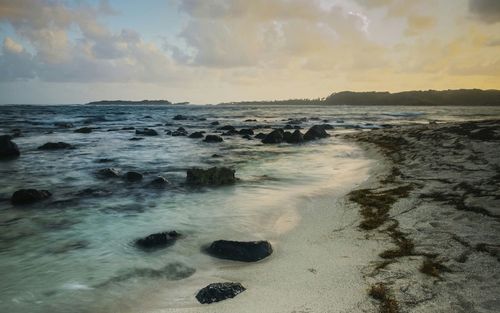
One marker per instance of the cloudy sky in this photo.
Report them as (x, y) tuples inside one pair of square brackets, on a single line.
[(210, 51)]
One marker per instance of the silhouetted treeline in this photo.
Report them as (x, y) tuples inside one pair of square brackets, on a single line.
[(127, 102)]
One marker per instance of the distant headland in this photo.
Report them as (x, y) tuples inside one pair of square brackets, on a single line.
[(140, 102)]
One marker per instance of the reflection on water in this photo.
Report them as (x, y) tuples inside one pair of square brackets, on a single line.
[(73, 252)]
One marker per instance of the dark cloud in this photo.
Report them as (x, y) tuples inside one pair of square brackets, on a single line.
[(486, 10)]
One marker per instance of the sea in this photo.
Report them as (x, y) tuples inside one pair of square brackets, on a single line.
[(75, 251)]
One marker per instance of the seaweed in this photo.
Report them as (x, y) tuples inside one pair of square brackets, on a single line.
[(388, 303)]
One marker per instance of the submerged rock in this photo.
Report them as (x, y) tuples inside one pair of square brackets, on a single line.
[(214, 176), (180, 117), (27, 196), (215, 123), (158, 240), (244, 251), (159, 182), (227, 127), (8, 148), (147, 132), (128, 128), (213, 138), (247, 137), (316, 132), (196, 135), (181, 131), (260, 136), (219, 291), (276, 136), (246, 131), (83, 130), (108, 173), (55, 146), (133, 176)]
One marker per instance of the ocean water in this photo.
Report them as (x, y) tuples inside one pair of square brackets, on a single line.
[(74, 251)]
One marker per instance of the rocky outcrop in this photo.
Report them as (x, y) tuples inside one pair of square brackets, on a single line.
[(8, 148), (158, 240), (133, 176), (219, 291), (276, 136), (147, 132), (244, 251), (27, 196), (213, 138), (316, 132), (214, 176), (55, 146)]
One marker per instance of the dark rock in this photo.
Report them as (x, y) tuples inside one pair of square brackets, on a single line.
[(108, 173), (246, 131), (213, 176), (219, 291), (244, 251), (27, 196), (158, 240), (168, 132), (63, 125), (8, 148), (181, 131), (128, 128), (16, 133), (295, 137), (148, 116), (180, 117), (339, 121), (276, 136), (160, 182), (215, 123), (213, 138), (296, 121), (83, 130), (196, 135), (287, 136), (315, 132), (227, 127), (55, 146), (248, 137), (230, 133), (136, 138), (215, 155), (104, 160), (133, 176), (328, 126), (260, 136), (147, 132), (288, 126), (250, 120)]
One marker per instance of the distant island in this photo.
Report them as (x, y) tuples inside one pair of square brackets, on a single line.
[(459, 97), (141, 102)]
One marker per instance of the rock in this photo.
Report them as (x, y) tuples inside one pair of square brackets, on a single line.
[(244, 251), (27, 196), (16, 132), (55, 146), (230, 133), (181, 131), (286, 136), (213, 176), (276, 136), (128, 128), (213, 138), (246, 131), (147, 132), (227, 127), (8, 148), (250, 120), (196, 135), (219, 291), (180, 117), (133, 176), (215, 123), (295, 137), (108, 173), (248, 137), (215, 155), (63, 125), (260, 136), (328, 126), (158, 240), (160, 182), (136, 138), (316, 132), (288, 126), (83, 130)]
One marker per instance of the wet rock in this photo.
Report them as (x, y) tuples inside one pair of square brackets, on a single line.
[(246, 131), (286, 136), (215, 123), (160, 182), (296, 121), (108, 173), (227, 127), (288, 126), (248, 137), (55, 146), (83, 130), (214, 176), (147, 132), (316, 132), (213, 138), (63, 125), (8, 148), (250, 120), (196, 135), (104, 160), (328, 126), (230, 133), (295, 137), (128, 128), (180, 117), (136, 138), (158, 240), (219, 291), (276, 136), (260, 136), (133, 176), (16, 132), (27, 196), (215, 155), (244, 251), (181, 131)]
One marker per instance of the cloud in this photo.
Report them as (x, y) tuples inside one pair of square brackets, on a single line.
[(486, 10), (15, 62)]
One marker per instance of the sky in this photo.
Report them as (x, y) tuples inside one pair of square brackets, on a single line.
[(212, 51)]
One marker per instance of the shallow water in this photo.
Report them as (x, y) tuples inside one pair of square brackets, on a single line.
[(73, 252)]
